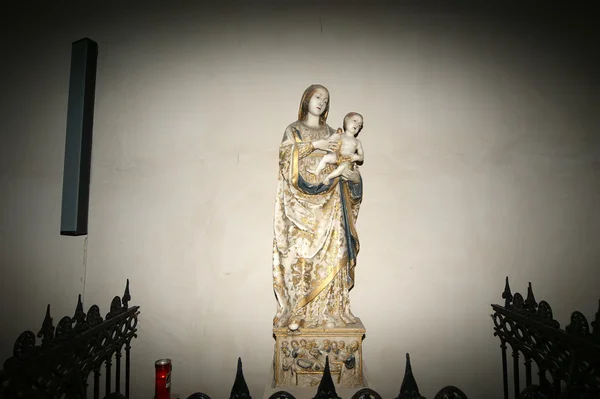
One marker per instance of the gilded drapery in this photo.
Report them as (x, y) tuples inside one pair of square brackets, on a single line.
[(315, 244)]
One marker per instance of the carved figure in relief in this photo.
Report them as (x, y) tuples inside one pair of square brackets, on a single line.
[(350, 372), (349, 149), (287, 364), (315, 244), (311, 357)]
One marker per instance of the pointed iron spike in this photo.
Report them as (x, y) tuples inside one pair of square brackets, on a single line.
[(47, 330), (506, 295), (240, 388), (530, 291), (530, 297), (126, 296), (409, 387), (47, 318), (326, 380), (326, 387), (79, 315), (79, 308), (507, 286)]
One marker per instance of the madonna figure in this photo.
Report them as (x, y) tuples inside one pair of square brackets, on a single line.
[(315, 245)]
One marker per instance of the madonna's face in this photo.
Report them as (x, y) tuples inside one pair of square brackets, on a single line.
[(318, 102)]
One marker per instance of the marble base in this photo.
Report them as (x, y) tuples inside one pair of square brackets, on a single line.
[(299, 357)]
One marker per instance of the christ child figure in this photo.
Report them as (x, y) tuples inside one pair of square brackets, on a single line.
[(349, 149)]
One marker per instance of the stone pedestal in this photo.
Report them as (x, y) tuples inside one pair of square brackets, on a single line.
[(310, 392), (300, 355)]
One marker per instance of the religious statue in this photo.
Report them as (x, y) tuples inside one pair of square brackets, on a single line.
[(318, 198)]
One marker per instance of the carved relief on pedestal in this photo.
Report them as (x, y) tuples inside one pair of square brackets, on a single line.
[(300, 357)]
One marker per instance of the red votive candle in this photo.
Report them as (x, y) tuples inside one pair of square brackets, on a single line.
[(162, 388)]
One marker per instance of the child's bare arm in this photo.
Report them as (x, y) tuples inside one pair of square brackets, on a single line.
[(360, 155)]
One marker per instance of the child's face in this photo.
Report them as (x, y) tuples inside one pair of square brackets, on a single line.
[(354, 124)]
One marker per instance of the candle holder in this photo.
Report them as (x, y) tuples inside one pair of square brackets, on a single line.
[(162, 388)]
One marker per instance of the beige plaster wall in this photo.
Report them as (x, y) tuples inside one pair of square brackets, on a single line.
[(480, 163)]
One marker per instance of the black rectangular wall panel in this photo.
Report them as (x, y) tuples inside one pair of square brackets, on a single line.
[(78, 145)]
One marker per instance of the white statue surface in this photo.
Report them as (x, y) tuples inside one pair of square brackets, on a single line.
[(319, 193), (349, 149)]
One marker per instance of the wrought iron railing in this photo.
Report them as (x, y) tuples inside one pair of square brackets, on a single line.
[(326, 389), (69, 353), (570, 358)]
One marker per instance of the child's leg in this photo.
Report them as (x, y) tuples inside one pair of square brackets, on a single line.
[(328, 158), (336, 173)]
